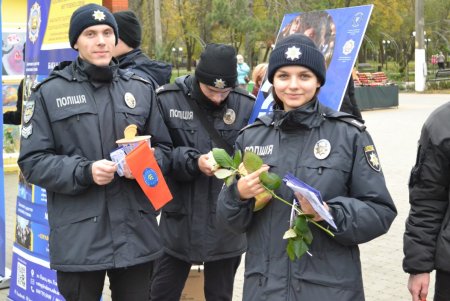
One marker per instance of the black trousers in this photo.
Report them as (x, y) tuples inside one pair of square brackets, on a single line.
[(171, 275), (126, 284), (442, 286)]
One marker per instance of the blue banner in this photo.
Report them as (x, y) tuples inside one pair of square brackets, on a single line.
[(2, 186), (338, 33), (46, 46)]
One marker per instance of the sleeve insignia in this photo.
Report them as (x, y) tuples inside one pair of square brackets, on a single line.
[(372, 157), (27, 130), (28, 111)]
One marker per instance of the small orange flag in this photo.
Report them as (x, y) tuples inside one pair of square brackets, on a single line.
[(145, 169)]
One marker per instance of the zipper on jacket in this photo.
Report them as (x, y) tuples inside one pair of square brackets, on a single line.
[(320, 170), (78, 117)]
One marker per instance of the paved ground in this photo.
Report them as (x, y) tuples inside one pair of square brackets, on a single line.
[(395, 132)]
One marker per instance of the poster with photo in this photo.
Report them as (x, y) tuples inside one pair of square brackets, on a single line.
[(338, 33)]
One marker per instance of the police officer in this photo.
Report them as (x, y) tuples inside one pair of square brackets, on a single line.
[(201, 111), (100, 223), (129, 52), (328, 150), (426, 243)]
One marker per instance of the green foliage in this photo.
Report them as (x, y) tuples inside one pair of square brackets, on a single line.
[(252, 162)]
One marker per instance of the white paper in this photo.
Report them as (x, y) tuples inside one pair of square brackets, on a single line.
[(312, 195)]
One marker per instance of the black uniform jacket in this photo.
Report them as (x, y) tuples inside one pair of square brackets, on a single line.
[(188, 223), (332, 152), (156, 72), (427, 236), (72, 120)]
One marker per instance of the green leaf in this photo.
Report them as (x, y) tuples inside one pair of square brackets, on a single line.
[(290, 249), (302, 228), (307, 236), (300, 248), (271, 180), (289, 234), (301, 224), (223, 173), (237, 158), (222, 158), (229, 180), (252, 161)]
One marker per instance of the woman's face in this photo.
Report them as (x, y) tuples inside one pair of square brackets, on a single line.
[(295, 86)]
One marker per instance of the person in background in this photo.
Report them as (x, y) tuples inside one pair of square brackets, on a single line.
[(426, 243), (349, 104), (130, 55), (328, 150), (202, 111), (243, 71), (100, 223), (258, 76), (441, 61)]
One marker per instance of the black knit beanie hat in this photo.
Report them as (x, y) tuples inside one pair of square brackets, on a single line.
[(130, 31), (90, 15), (217, 66), (297, 49)]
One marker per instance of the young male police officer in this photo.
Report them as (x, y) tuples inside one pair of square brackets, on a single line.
[(99, 222), (188, 223)]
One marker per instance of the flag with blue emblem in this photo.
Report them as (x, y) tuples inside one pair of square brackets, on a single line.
[(145, 169)]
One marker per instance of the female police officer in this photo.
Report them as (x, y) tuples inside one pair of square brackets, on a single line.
[(326, 149)]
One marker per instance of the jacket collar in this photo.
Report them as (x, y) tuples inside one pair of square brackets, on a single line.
[(309, 115)]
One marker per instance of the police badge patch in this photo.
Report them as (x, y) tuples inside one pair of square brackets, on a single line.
[(130, 100), (229, 117), (322, 149), (28, 111), (372, 157)]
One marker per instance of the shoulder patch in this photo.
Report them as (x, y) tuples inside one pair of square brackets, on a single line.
[(36, 86), (139, 78), (167, 88), (348, 119), (244, 92), (372, 157), (254, 124)]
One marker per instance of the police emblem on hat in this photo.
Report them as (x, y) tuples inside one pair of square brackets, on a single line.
[(28, 111), (372, 157), (99, 15), (150, 177), (130, 100), (293, 53), (229, 117), (219, 83), (322, 149), (26, 131)]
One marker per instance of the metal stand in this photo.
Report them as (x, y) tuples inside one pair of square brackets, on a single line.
[(5, 280)]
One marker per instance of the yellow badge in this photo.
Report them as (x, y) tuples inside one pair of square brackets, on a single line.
[(372, 157), (130, 100)]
